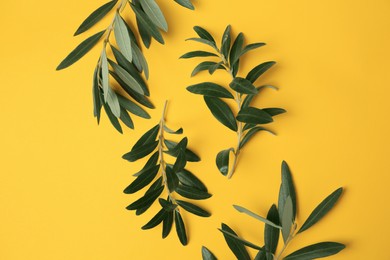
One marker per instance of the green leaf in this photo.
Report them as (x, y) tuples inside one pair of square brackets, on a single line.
[(222, 112), (193, 208), (236, 49), (193, 54), (140, 56), (261, 255), (95, 17), (205, 65), (141, 152), (170, 131), (127, 78), (243, 86), (210, 89), (122, 37), (180, 162), (142, 180), (80, 50), (204, 41), (226, 41), (152, 161), (271, 234), (157, 219), (252, 46), (172, 146), (257, 71), (97, 105), (113, 102), (146, 199), (234, 243), (149, 137), (192, 193), (167, 224), (186, 4), (180, 228), (222, 160), (132, 107), (167, 205), (172, 179), (254, 115), (240, 240), (156, 185), (287, 218), (114, 121), (126, 119), (147, 24), (214, 67), (274, 111), (319, 250), (104, 78), (145, 35), (251, 133), (154, 13), (189, 179), (204, 34), (322, 209), (254, 215), (207, 254), (286, 190)]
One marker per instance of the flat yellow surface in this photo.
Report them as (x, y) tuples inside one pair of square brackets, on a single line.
[(62, 176)]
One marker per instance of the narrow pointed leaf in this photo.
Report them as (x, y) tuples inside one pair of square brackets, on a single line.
[(80, 50), (154, 13), (152, 161), (287, 219), (113, 102), (315, 251), (193, 208), (190, 155), (143, 180), (192, 193), (95, 17), (97, 105), (261, 255), (271, 234), (322, 209), (145, 35), (194, 54), (286, 190), (226, 41), (204, 34), (252, 46), (189, 179), (215, 67), (205, 65), (167, 224), (274, 111), (207, 254), (140, 152), (172, 179), (210, 89), (147, 24), (236, 49), (180, 228), (122, 37), (146, 199), (180, 162), (149, 137), (177, 132), (222, 160), (254, 115), (144, 64), (167, 205), (238, 239), (127, 78), (204, 41), (155, 186), (186, 4), (259, 70), (126, 119), (105, 79), (157, 219), (132, 107), (113, 119), (251, 133), (254, 215), (234, 244), (243, 86), (222, 112)]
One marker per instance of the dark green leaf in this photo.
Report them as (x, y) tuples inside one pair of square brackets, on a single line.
[(145, 36), (146, 199), (142, 61), (149, 164), (174, 148), (253, 115), (104, 78), (177, 132), (149, 137), (205, 65), (189, 179), (142, 180), (271, 234), (80, 50), (190, 155), (167, 205), (193, 208), (235, 68), (156, 185), (319, 250), (193, 54), (210, 89), (287, 219), (226, 41), (252, 46), (141, 152), (274, 111), (126, 119), (251, 133), (254, 215), (192, 193), (204, 41), (248, 126), (122, 37), (127, 78), (132, 107), (157, 219), (180, 162), (97, 105), (240, 240), (114, 121), (322, 209), (222, 112), (207, 254), (167, 224), (286, 189), (95, 17), (235, 246), (222, 160), (154, 13), (147, 24), (236, 49), (261, 255), (214, 67), (180, 228), (243, 86), (172, 179), (113, 103), (257, 71), (204, 34), (186, 4)]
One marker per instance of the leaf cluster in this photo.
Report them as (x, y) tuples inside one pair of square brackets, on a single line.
[(249, 119), (130, 62), (281, 221), (162, 176)]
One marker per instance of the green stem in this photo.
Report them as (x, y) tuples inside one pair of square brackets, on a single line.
[(290, 237)]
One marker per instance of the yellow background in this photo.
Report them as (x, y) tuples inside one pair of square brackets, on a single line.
[(62, 176)]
